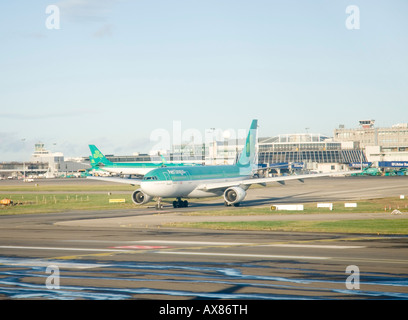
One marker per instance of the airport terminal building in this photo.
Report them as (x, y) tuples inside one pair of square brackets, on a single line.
[(315, 151), (43, 163), (306, 151), (384, 148)]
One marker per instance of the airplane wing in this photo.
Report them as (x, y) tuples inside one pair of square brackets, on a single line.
[(274, 166), (263, 181), (130, 181)]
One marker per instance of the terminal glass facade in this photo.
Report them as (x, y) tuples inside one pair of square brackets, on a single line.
[(305, 148)]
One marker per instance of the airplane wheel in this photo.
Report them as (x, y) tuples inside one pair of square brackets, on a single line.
[(180, 204), (237, 204)]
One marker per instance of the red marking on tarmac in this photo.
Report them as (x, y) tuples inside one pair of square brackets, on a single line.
[(140, 247)]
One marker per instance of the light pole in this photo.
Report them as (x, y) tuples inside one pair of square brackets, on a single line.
[(24, 174), (226, 136), (213, 148)]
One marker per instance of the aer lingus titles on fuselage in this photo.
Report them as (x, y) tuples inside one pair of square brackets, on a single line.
[(229, 181), (100, 162)]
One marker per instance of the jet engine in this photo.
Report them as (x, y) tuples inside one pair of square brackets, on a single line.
[(234, 195), (139, 197)]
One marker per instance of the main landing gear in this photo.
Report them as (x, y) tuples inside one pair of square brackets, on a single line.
[(176, 204), (231, 204), (180, 203)]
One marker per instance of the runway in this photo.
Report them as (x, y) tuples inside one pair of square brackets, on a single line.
[(203, 265), (84, 255)]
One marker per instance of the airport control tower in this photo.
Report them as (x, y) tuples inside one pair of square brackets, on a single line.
[(367, 124)]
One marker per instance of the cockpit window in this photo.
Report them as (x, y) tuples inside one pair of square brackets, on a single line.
[(150, 178)]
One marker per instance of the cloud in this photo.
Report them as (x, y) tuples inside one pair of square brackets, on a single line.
[(51, 115), (104, 31), (89, 12), (35, 35), (86, 10), (12, 143)]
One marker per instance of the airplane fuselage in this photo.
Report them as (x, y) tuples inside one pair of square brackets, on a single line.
[(176, 182), (133, 168), (128, 170)]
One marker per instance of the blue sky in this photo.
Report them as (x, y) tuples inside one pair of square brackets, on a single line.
[(117, 70)]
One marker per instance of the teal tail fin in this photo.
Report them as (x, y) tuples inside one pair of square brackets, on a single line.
[(98, 156), (164, 161), (248, 154), (94, 164), (92, 161)]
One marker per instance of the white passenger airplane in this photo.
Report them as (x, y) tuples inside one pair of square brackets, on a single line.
[(231, 181), (100, 162)]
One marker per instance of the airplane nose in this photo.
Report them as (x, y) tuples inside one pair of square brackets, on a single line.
[(147, 188), (156, 189)]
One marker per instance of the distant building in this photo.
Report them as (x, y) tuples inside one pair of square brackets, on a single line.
[(314, 151), (55, 162), (381, 145), (16, 170), (391, 139), (348, 148), (299, 151), (42, 155)]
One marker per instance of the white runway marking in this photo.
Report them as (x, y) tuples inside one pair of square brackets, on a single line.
[(60, 248), (204, 243), (196, 242), (283, 245), (46, 263), (166, 242), (240, 255), (314, 246)]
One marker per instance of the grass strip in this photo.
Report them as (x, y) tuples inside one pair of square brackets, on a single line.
[(371, 205), (45, 203), (372, 226)]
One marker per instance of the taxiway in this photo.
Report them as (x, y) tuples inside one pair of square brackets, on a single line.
[(106, 255)]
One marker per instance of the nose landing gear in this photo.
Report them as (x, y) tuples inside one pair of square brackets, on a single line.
[(159, 205)]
